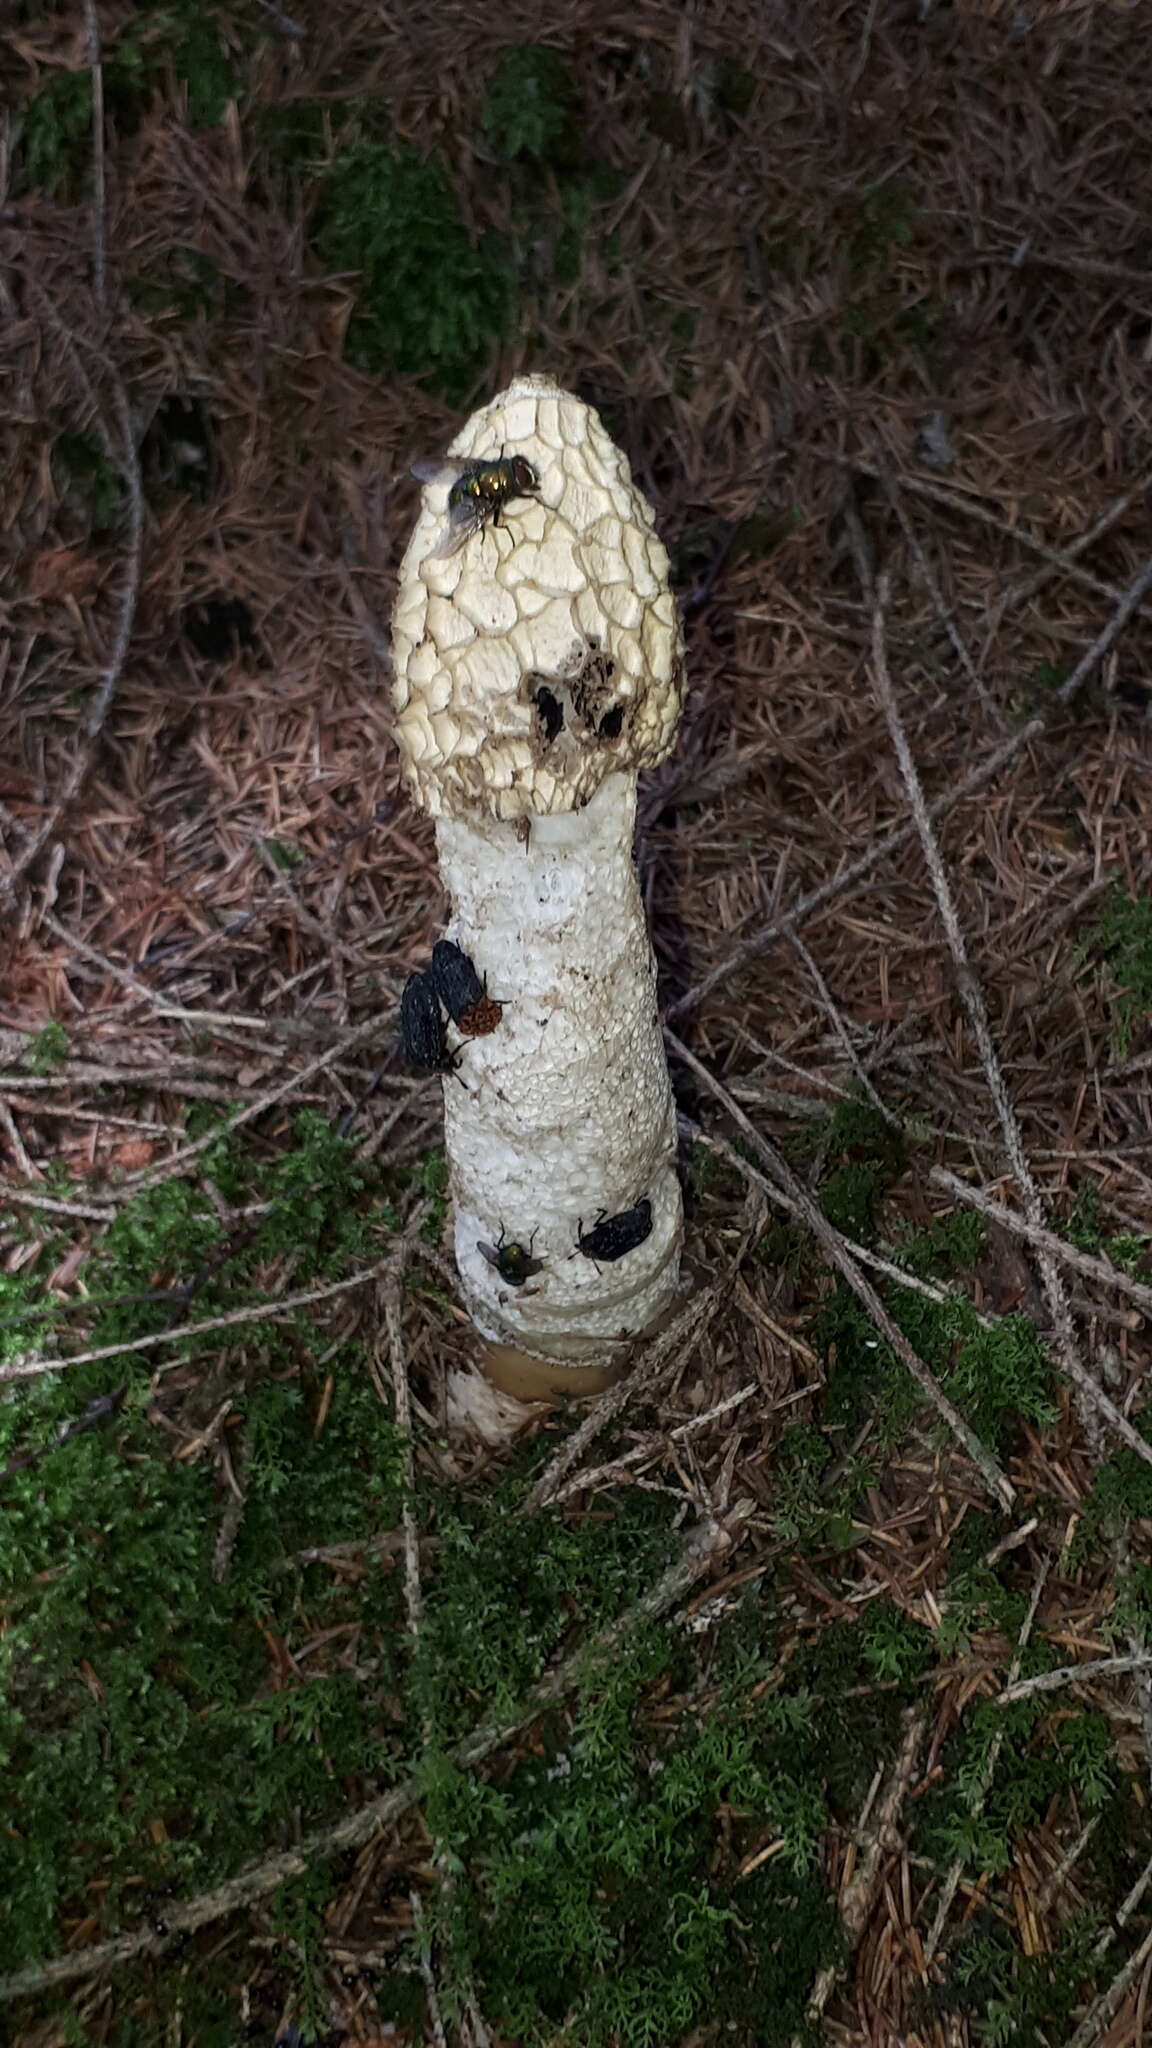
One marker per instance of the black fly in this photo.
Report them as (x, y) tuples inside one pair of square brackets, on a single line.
[(423, 1032), (612, 1236), (513, 1262), (460, 989)]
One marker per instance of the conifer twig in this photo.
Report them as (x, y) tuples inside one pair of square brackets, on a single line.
[(1101, 2010), (128, 463), (259, 1312), (985, 771), (668, 1344), (1090, 1264)]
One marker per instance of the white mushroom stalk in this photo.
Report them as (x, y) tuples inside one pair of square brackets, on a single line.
[(538, 667)]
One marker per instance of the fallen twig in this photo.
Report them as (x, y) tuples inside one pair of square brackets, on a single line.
[(859, 1894), (1127, 601), (863, 1253), (655, 1357), (973, 1001), (178, 1161), (127, 461), (262, 1312), (995, 1478), (1100, 2011), (1089, 1263), (1073, 1674), (96, 73)]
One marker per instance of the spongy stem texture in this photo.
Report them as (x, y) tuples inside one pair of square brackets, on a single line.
[(564, 1114)]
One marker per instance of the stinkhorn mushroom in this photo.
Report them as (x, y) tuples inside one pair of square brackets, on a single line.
[(538, 667)]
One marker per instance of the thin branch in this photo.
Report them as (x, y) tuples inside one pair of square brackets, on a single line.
[(1017, 592), (621, 1468), (103, 1212), (969, 508), (177, 1162), (393, 1278), (973, 1001), (1073, 1674), (995, 1479), (127, 462), (1126, 601), (934, 591), (1124, 1912), (96, 70), (424, 1957), (839, 1026), (667, 1346), (862, 1253), (1090, 1264), (707, 1542), (859, 1895), (1056, 1879), (130, 981), (819, 898), (263, 1312), (1101, 2010), (1107, 634)]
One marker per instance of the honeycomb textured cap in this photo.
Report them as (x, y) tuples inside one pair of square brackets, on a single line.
[(544, 652)]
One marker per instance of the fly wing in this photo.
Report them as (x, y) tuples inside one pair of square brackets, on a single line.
[(462, 524), (438, 472)]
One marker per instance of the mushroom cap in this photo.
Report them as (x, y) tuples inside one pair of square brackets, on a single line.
[(537, 646)]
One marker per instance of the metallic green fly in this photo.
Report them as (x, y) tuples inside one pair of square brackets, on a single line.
[(477, 494)]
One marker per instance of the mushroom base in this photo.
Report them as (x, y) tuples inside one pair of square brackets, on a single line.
[(540, 1379)]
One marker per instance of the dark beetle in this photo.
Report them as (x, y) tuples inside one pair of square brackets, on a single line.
[(460, 989), (613, 1236), (422, 1028), (513, 1262)]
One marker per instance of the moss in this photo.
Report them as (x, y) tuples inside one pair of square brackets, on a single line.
[(137, 1729), (881, 223), (48, 1050), (1122, 940), (88, 482), (1016, 2001), (604, 1897), (184, 42), (530, 107), (429, 303)]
